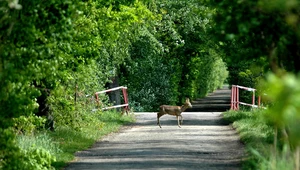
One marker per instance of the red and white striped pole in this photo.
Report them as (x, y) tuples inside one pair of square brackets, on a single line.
[(237, 99), (253, 98), (125, 98), (232, 100), (234, 97), (124, 90)]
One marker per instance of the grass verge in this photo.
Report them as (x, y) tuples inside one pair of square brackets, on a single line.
[(254, 133), (65, 141), (258, 137)]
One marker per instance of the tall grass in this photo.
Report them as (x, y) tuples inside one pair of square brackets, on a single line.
[(258, 138), (38, 141)]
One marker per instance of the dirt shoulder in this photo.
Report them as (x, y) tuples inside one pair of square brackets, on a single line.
[(205, 141)]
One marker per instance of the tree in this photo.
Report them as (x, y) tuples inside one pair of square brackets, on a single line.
[(261, 28), (29, 55), (169, 57)]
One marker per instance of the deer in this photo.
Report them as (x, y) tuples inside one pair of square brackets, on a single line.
[(174, 111)]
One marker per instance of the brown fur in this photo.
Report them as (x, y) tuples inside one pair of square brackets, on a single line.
[(173, 110)]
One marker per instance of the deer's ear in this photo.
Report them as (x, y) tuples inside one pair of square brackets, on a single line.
[(187, 99)]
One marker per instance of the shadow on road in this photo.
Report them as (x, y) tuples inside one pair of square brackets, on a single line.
[(205, 142), (200, 119)]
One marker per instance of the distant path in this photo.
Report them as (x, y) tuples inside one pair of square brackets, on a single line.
[(218, 101), (205, 141)]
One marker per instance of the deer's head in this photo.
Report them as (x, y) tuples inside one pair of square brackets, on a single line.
[(187, 103)]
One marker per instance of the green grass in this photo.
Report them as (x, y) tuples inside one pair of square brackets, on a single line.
[(258, 138), (65, 141), (251, 126), (254, 133), (40, 140)]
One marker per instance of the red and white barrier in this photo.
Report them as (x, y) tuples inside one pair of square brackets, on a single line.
[(235, 102), (124, 90)]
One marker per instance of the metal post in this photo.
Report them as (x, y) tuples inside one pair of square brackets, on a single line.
[(237, 97), (125, 98), (234, 97), (232, 94), (97, 100), (253, 98)]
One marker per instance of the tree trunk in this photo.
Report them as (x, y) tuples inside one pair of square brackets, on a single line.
[(114, 96)]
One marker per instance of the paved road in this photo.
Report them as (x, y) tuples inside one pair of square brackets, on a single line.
[(203, 142), (217, 101)]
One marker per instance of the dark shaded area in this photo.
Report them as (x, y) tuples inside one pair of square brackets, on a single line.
[(172, 121), (114, 96), (161, 164), (205, 141), (44, 107)]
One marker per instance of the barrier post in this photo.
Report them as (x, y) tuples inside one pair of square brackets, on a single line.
[(235, 101), (125, 105), (126, 108), (253, 98), (232, 98)]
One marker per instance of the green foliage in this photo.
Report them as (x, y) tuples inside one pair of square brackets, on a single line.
[(28, 52), (254, 132), (284, 113), (208, 72), (247, 74), (13, 157), (39, 150), (188, 23), (28, 125), (37, 159), (272, 135), (173, 58), (10, 154), (53, 54), (251, 126), (247, 32), (280, 160), (41, 140), (148, 75)]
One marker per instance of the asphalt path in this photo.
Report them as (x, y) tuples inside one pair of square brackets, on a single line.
[(204, 141)]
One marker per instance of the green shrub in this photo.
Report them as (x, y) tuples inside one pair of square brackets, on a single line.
[(272, 135), (151, 80), (10, 154), (15, 158), (37, 158), (28, 124), (207, 73)]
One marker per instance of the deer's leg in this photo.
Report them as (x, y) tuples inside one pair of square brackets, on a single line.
[(178, 121), (159, 114), (181, 120)]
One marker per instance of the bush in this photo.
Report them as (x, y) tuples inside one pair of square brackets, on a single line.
[(15, 158), (28, 125), (272, 135), (207, 73), (151, 80)]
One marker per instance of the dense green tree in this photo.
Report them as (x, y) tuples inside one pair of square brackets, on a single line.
[(174, 58), (259, 28), (53, 54), (30, 57)]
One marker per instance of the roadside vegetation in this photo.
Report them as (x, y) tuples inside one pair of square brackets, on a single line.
[(54, 56), (271, 135), (47, 150)]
